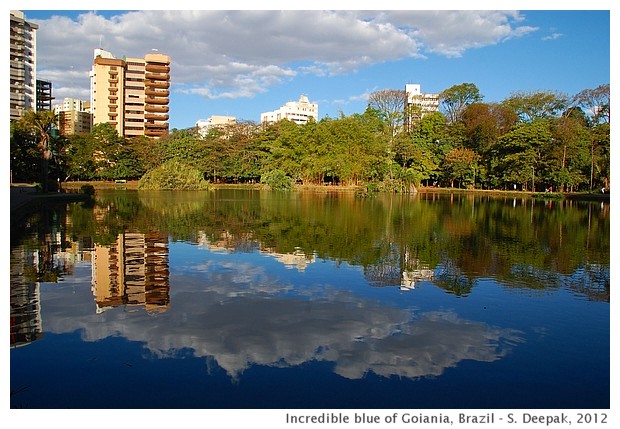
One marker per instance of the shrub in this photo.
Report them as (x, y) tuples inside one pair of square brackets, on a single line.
[(173, 175), (277, 180)]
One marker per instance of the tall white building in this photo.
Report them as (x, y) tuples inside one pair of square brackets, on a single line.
[(300, 112), (418, 104), (23, 65)]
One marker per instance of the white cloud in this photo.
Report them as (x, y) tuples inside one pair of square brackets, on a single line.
[(451, 33), (232, 54), (553, 36)]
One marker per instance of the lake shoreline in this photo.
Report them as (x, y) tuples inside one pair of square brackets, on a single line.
[(585, 196)]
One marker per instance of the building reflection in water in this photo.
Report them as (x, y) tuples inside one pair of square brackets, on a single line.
[(25, 316), (399, 268), (132, 271)]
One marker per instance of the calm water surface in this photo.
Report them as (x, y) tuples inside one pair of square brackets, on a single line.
[(254, 299)]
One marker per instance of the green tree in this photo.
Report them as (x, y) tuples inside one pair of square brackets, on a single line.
[(390, 103), (596, 102), (80, 159), (25, 155), (568, 154), (455, 99), (461, 164), (533, 105), (484, 123), (40, 126), (600, 155), (415, 154), (106, 145), (519, 153), (286, 150)]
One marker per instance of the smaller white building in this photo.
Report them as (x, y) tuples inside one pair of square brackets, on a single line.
[(417, 105), (300, 112), (215, 121), (69, 104), (427, 102)]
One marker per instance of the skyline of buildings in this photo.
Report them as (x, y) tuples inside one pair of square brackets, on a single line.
[(133, 94)]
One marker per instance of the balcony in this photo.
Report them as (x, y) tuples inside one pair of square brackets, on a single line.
[(156, 93), (153, 100), (157, 84), (156, 109), (155, 133), (155, 117), (157, 68), (157, 76)]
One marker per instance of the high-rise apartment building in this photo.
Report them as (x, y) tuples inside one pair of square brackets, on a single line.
[(132, 94), (300, 112), (417, 104), (23, 61)]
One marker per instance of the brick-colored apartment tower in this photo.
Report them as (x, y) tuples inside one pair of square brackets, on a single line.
[(132, 94)]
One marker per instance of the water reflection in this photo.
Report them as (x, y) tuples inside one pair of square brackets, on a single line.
[(248, 279), (237, 315), (25, 313), (132, 271)]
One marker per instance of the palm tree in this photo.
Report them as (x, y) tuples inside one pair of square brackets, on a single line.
[(41, 124)]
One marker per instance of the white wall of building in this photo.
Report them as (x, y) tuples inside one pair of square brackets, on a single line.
[(300, 112)]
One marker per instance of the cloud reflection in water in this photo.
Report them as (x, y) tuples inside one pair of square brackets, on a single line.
[(239, 316)]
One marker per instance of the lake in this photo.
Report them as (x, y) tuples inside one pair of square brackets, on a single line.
[(250, 299)]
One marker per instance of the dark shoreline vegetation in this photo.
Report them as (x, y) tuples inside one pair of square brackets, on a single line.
[(541, 142)]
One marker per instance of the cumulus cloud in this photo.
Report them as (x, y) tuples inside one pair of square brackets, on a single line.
[(234, 54)]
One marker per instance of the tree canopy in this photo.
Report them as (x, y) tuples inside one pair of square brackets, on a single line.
[(533, 140)]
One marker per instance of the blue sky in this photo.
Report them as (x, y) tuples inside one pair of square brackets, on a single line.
[(242, 63)]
